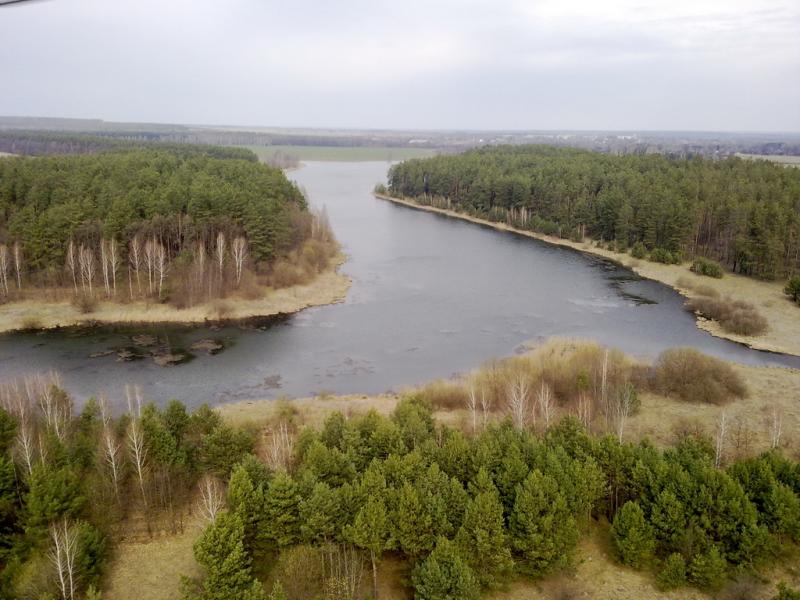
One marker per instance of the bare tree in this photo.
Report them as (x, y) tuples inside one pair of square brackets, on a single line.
[(604, 400), (54, 403), (472, 405), (239, 252), (150, 262), (161, 265), (279, 448), (106, 268), (18, 263), (88, 266), (212, 500), (486, 406), (136, 446), (113, 261), (63, 551), (343, 568), (135, 262), (201, 266), (4, 264), (776, 428), (719, 445), (219, 256), (25, 427), (584, 409), (517, 401), (72, 263), (623, 407), (544, 399), (110, 446)]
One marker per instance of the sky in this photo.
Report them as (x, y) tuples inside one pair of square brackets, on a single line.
[(706, 65)]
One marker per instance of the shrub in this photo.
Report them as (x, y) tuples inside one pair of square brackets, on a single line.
[(708, 569), (445, 574), (85, 303), (691, 376), (734, 316), (673, 573), (661, 255), (443, 395), (709, 268), (793, 288), (786, 593), (633, 536), (638, 250)]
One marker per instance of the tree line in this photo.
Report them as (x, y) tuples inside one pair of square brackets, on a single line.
[(468, 512), (145, 222), (744, 214)]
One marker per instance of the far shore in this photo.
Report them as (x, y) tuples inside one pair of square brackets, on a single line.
[(329, 287), (783, 316)]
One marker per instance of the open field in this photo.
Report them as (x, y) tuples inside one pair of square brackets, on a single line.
[(783, 316), (342, 153), (328, 287), (789, 161)]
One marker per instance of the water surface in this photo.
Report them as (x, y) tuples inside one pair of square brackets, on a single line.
[(432, 296)]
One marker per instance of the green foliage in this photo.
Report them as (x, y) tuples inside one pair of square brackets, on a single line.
[(669, 205), (281, 518), (482, 537), (222, 448), (708, 569), (226, 565), (786, 593), (543, 531), (371, 527), (639, 251), (8, 428), (445, 575), (709, 268), (53, 494), (633, 536), (792, 288), (672, 573)]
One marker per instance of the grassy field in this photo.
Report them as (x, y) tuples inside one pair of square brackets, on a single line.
[(789, 161), (342, 153)]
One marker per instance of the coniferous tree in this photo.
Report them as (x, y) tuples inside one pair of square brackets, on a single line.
[(632, 535), (445, 575)]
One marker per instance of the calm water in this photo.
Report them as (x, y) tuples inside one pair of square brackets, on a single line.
[(431, 296)]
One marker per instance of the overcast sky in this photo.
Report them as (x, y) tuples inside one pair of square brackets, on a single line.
[(480, 64)]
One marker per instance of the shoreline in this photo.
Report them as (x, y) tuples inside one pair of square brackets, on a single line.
[(328, 287), (782, 337)]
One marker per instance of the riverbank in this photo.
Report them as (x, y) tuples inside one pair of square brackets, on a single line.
[(783, 335), (329, 287)]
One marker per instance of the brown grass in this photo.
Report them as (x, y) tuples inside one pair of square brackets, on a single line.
[(691, 376)]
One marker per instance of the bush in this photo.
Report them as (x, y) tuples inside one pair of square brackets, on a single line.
[(85, 303), (708, 570), (793, 288), (661, 255), (691, 376), (709, 268), (786, 593), (638, 250), (673, 573), (443, 395), (633, 536), (734, 316)]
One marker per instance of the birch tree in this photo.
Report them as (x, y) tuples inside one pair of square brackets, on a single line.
[(150, 262), (136, 446), (719, 442), (110, 446), (544, 399), (776, 428), (72, 263), (212, 500), (219, 255), (135, 262), (87, 266), (472, 405), (113, 262), (517, 401), (239, 252), (63, 551), (105, 266), (160, 265), (18, 262), (4, 264)]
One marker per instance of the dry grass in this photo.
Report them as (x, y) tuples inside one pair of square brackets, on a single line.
[(327, 288), (152, 569), (783, 317)]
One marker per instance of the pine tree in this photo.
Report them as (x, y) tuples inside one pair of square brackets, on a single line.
[(412, 522), (542, 529), (708, 569), (445, 575), (282, 511), (482, 538), (370, 530), (247, 501), (633, 536), (220, 552), (319, 514)]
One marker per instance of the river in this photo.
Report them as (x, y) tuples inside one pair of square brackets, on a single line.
[(432, 296)]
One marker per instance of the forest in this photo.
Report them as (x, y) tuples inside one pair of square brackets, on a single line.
[(291, 511), (744, 214), (172, 222)]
